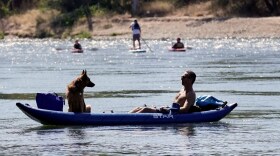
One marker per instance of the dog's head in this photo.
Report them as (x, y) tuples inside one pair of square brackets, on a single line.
[(85, 80)]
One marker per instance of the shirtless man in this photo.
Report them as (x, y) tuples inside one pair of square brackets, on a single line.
[(185, 98)]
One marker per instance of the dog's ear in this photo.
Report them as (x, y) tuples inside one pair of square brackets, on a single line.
[(83, 72)]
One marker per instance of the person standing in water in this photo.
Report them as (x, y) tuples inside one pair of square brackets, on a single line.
[(136, 33)]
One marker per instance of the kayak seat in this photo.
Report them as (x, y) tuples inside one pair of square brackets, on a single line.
[(49, 101)]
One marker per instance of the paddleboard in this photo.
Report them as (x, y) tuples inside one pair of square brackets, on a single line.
[(137, 50)]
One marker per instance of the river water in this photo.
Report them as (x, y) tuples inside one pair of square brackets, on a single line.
[(246, 71)]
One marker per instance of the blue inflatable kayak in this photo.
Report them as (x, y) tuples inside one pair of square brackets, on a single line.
[(50, 117)]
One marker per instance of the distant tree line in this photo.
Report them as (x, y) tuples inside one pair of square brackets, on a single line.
[(249, 7), (238, 7), (72, 10)]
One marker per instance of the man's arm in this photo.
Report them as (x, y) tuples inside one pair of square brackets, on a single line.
[(174, 46), (188, 103), (182, 45), (131, 25)]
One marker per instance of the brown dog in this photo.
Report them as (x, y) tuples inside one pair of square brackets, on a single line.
[(75, 93)]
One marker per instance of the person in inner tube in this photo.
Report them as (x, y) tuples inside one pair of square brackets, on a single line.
[(77, 45), (185, 98), (178, 44)]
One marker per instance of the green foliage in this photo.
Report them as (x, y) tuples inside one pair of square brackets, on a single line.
[(4, 10), (64, 20), (156, 8), (221, 3), (114, 34), (248, 7), (66, 33), (2, 35), (43, 34), (70, 11), (83, 34), (97, 11), (42, 30), (68, 19)]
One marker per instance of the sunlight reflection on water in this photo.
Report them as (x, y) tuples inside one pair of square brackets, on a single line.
[(245, 71)]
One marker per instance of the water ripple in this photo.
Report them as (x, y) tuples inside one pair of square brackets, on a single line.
[(134, 93), (101, 94)]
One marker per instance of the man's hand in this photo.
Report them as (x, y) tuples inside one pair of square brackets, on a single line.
[(164, 109)]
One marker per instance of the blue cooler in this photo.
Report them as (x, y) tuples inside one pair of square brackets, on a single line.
[(49, 101)]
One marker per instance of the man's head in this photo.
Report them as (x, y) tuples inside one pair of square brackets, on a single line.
[(178, 39), (188, 77)]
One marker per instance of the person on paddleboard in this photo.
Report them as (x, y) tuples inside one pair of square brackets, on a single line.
[(136, 33), (178, 44), (184, 100)]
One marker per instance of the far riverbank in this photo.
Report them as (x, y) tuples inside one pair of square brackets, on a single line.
[(166, 27), (189, 28)]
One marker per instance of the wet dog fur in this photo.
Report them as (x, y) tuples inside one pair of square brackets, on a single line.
[(75, 93)]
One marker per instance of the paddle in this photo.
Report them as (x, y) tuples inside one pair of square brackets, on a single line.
[(146, 44)]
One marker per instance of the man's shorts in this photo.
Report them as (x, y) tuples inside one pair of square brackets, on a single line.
[(174, 108), (136, 37)]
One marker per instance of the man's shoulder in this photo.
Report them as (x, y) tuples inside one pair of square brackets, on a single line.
[(191, 94), (181, 44)]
